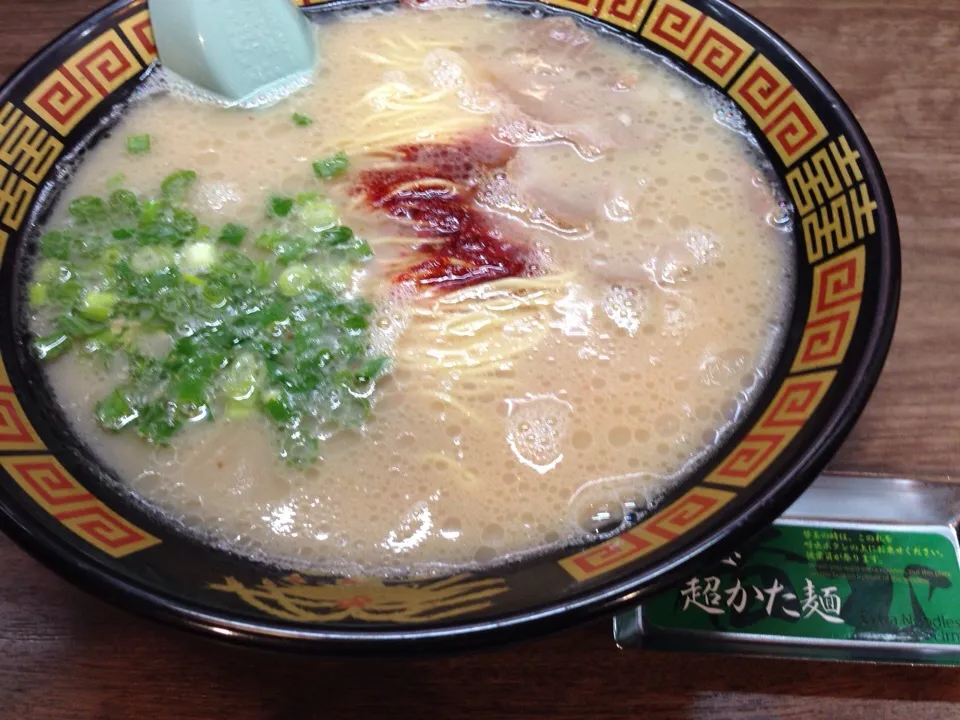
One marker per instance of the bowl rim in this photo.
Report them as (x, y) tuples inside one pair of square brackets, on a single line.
[(72, 564)]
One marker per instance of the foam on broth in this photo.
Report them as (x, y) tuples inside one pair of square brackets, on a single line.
[(680, 280)]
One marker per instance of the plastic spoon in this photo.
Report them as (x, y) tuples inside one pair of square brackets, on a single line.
[(244, 52)]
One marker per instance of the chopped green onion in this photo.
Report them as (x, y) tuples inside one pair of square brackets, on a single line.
[(355, 322), (232, 234), (215, 296), (52, 271), (318, 214), (197, 258), (89, 246), (331, 167), (98, 305), (37, 294), (271, 239), (158, 421), (176, 185), (185, 223), (337, 236), (155, 224), (159, 234), (301, 120), (360, 306), (124, 202), (51, 346), (279, 206), (104, 343), (336, 276), (239, 409), (79, 327), (150, 259), (291, 249), (262, 274), (66, 292), (244, 376), (56, 244), (359, 252), (372, 369), (114, 411), (138, 144), (299, 448), (287, 249), (111, 255), (191, 389), (279, 405), (88, 209), (270, 333), (294, 280), (153, 211)]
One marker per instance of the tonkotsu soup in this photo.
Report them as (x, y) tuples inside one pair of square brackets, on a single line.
[(488, 286)]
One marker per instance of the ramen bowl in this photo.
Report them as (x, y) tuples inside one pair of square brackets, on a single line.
[(64, 507)]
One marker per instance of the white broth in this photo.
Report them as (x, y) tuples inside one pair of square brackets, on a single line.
[(523, 413)]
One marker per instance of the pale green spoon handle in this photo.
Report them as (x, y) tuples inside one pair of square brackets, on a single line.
[(235, 49)]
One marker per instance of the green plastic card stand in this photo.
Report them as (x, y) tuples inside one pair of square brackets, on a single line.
[(859, 568)]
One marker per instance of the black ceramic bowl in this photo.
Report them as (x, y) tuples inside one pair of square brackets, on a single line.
[(58, 503)]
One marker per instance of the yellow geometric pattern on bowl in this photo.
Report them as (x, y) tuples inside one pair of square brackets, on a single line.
[(138, 30), (16, 194), (783, 115), (368, 599), (70, 92), (669, 523), (16, 432), (832, 199), (791, 408), (837, 291), (627, 14), (27, 152), (55, 490), (25, 147), (697, 39)]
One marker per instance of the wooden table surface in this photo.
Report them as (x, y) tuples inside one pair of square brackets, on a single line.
[(66, 655)]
